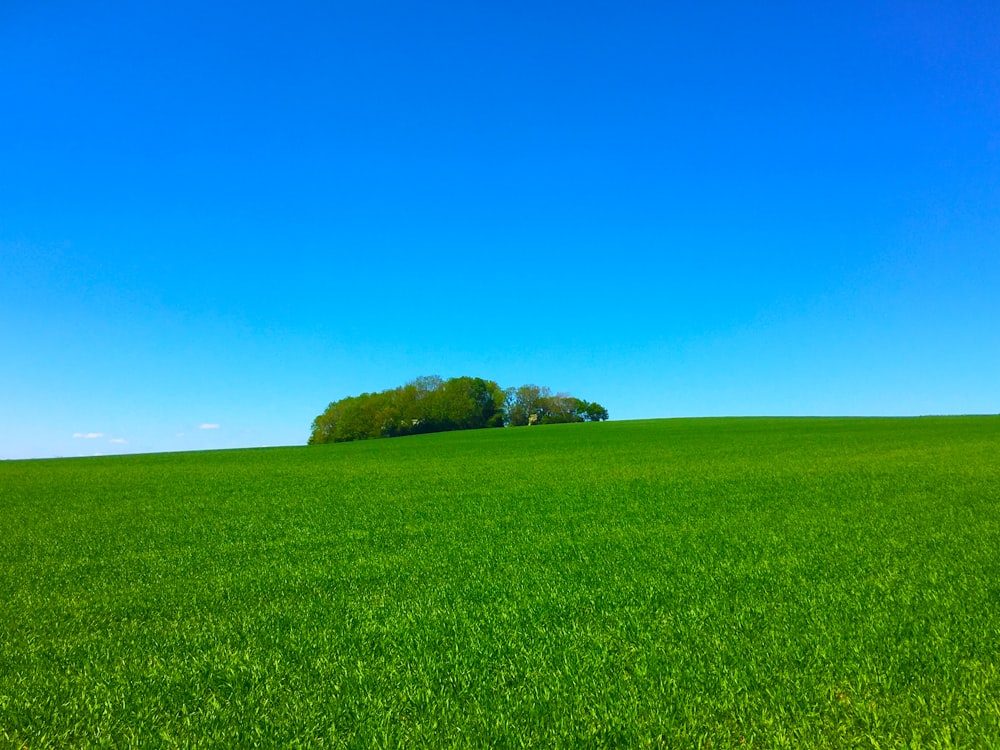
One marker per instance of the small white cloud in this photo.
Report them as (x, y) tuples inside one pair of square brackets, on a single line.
[(88, 435), (120, 441), (180, 434), (208, 426)]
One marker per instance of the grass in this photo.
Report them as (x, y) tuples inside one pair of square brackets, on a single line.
[(675, 583)]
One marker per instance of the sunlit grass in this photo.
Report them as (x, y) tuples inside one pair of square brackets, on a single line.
[(684, 583)]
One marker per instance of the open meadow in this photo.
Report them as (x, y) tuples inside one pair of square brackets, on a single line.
[(671, 583)]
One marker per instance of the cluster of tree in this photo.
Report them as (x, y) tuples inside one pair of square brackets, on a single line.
[(532, 404), (430, 404)]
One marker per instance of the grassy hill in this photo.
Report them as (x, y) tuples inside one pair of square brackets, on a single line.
[(679, 583)]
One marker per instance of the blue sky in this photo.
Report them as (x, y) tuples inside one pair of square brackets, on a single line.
[(216, 218)]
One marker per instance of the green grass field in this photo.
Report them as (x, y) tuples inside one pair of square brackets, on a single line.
[(677, 583)]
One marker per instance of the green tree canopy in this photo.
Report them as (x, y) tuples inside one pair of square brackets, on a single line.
[(431, 404)]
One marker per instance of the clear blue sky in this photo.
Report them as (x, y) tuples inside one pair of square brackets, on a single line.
[(216, 218)]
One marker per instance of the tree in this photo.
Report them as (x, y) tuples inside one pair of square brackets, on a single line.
[(431, 404), (526, 405), (561, 408), (594, 412)]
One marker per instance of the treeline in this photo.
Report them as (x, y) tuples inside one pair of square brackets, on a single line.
[(430, 404)]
